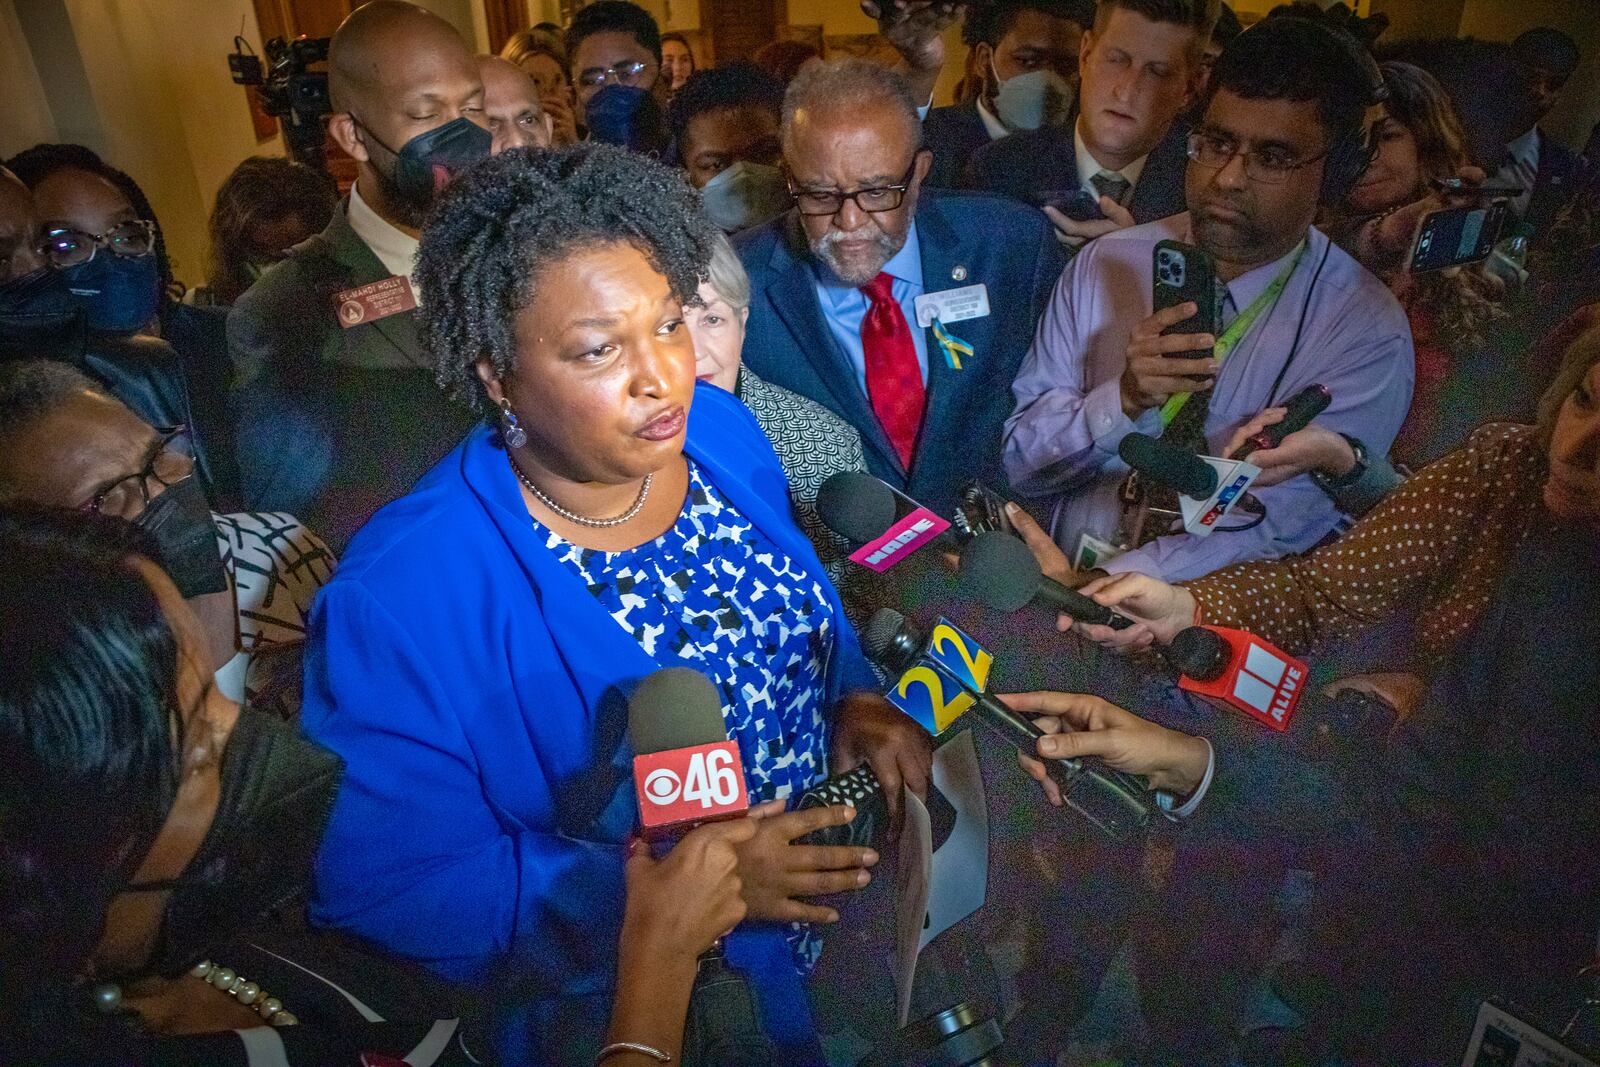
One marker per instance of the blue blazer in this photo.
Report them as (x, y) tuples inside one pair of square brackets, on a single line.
[(477, 694), (1007, 247)]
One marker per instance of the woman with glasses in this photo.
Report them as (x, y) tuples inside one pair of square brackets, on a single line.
[(98, 229), (250, 578)]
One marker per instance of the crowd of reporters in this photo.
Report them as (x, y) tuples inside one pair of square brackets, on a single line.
[(329, 577)]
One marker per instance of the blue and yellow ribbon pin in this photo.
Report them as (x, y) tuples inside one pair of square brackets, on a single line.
[(954, 348)]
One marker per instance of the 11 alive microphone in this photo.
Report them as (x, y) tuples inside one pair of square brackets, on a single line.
[(1113, 802), (1241, 670), (685, 769), (999, 572)]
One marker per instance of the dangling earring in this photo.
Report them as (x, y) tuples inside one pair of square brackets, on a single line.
[(511, 431)]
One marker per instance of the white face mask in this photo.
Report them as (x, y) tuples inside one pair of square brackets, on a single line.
[(745, 195), (1038, 98)]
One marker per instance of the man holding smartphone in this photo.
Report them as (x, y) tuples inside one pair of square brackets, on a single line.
[(1281, 132)]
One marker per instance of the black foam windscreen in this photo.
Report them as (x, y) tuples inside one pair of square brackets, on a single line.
[(676, 707), (999, 571), (1168, 465), (882, 629), (1198, 653), (856, 506)]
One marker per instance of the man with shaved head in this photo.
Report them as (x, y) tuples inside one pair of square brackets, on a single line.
[(870, 292), (338, 412), (511, 101)]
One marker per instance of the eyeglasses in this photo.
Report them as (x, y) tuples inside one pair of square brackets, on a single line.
[(623, 74), (70, 248), (1269, 166), (171, 460), (873, 200)]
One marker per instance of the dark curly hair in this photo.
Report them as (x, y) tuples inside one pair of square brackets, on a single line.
[(506, 221), (261, 189), (733, 85), (989, 21), (35, 164)]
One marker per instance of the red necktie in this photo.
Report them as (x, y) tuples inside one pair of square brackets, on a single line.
[(894, 381)]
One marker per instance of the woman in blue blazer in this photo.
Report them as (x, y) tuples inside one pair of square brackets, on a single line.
[(472, 657)]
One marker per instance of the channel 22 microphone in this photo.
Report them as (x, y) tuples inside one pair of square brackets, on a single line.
[(1304, 406), (1241, 670), (999, 572), (685, 769), (1112, 802)]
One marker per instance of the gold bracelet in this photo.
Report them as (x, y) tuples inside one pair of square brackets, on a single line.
[(632, 1046)]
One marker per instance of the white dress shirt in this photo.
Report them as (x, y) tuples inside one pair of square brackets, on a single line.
[(1521, 169), (1088, 166), (395, 249)]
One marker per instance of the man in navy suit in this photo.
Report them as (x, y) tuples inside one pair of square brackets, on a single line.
[(1027, 54), (1139, 68), (1534, 161), (904, 312)]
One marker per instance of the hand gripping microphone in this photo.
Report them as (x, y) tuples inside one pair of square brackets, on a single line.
[(1113, 802), (685, 769), (1304, 406), (688, 772), (999, 572)]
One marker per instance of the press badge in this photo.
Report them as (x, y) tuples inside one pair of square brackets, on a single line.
[(953, 305), (375, 300)]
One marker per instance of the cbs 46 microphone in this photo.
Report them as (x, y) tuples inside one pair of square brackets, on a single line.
[(685, 769), (1114, 803)]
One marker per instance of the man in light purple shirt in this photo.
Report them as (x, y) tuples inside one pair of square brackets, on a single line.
[(1280, 133)]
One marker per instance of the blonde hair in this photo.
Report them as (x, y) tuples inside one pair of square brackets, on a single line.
[(726, 274), (528, 43), (1576, 363)]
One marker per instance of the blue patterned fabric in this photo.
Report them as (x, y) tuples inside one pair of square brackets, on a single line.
[(714, 594)]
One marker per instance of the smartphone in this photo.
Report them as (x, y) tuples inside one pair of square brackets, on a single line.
[(1455, 236), (1079, 205), (1185, 274), (1457, 186)]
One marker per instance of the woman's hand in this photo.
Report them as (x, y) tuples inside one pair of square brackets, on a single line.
[(563, 123), (1310, 449), (868, 729), (679, 905), (1052, 561), (1159, 610), (1079, 725), (774, 870)]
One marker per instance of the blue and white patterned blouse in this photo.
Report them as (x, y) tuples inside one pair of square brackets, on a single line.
[(712, 593)]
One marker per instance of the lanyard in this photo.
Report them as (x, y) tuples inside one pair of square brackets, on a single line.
[(1240, 326)]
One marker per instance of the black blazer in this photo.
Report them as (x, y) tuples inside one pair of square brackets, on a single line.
[(1008, 248), (954, 133), (1032, 162), (1552, 183)]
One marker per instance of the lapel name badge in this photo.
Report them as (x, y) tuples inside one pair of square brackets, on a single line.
[(953, 305), (375, 300)]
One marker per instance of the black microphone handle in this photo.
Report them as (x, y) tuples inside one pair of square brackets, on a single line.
[(1073, 603), (1112, 801)]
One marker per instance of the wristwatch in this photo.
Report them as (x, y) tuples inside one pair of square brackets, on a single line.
[(1332, 485)]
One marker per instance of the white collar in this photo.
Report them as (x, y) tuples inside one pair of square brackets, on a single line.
[(395, 249), (1088, 166), (1525, 148), (996, 128)]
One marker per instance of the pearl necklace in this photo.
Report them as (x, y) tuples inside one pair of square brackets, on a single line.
[(582, 520), (246, 992)]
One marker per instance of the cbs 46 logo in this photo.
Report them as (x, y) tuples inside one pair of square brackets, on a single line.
[(710, 779)]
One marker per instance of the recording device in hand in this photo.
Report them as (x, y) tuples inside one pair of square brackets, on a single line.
[(1112, 802), (1186, 274), (1079, 205), (1207, 487), (1000, 573), (1456, 236), (682, 748), (1304, 406)]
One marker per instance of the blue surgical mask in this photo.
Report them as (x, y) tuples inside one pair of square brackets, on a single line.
[(118, 294), (624, 115)]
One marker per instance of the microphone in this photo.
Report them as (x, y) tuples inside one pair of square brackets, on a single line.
[(1241, 670), (999, 572), (685, 769), (1304, 406), (887, 525), (1111, 801), (1207, 486)]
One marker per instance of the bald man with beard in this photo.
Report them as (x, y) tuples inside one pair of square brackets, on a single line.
[(337, 407)]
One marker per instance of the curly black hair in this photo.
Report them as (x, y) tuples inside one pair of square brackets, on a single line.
[(732, 85), (506, 221), (990, 20), (34, 165)]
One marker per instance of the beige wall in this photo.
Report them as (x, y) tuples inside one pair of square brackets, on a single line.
[(145, 83)]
